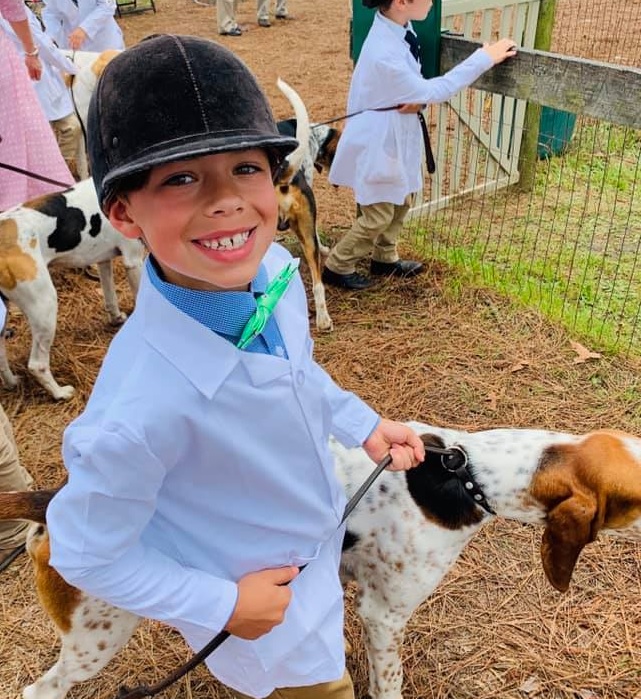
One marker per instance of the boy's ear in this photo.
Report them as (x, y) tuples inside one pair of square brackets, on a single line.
[(118, 215)]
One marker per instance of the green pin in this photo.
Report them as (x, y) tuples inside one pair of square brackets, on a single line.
[(265, 305)]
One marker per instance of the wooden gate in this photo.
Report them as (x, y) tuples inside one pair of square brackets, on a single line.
[(476, 137)]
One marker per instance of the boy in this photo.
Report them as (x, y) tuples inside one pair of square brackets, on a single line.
[(379, 153), (199, 475)]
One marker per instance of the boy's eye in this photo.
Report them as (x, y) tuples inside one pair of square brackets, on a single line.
[(247, 168), (178, 179)]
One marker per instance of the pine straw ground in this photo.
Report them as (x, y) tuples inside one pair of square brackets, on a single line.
[(414, 350)]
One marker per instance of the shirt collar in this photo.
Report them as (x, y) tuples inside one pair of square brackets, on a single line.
[(398, 29), (223, 312)]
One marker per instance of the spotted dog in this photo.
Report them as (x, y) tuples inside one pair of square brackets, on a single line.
[(293, 183), (402, 538), (89, 66), (64, 229)]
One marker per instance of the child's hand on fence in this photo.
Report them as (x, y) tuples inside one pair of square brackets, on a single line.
[(500, 50), (263, 598)]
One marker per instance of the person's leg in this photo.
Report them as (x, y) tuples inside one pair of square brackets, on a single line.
[(385, 260), (226, 16), (68, 134), (262, 12), (358, 242), (340, 689), (281, 10), (385, 248), (12, 477)]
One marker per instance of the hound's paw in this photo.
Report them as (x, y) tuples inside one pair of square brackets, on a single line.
[(63, 393), (118, 319), (10, 382)]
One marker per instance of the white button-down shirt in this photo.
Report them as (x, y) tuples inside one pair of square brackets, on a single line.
[(96, 17), (196, 463), (379, 154)]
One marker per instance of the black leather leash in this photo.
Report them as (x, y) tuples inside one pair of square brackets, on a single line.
[(146, 691), (429, 155), (33, 175)]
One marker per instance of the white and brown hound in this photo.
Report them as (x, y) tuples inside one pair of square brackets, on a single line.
[(404, 535), (293, 184), (65, 229)]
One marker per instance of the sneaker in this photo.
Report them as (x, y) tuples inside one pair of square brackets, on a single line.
[(353, 281), (283, 17), (263, 22), (236, 31), (400, 268)]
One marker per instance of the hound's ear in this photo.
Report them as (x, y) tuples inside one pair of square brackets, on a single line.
[(319, 167), (570, 526)]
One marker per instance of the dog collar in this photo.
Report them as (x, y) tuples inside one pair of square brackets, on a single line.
[(455, 461)]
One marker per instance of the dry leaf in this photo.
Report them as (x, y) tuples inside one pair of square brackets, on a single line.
[(583, 353), (357, 368), (587, 694), (523, 364), (492, 399), (531, 685)]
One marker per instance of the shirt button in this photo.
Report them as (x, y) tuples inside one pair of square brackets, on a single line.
[(300, 378)]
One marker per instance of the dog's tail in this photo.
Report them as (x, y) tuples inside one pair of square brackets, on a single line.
[(303, 129), (26, 504)]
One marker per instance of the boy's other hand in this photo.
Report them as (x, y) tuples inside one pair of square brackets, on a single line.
[(499, 51), (400, 441), (263, 598)]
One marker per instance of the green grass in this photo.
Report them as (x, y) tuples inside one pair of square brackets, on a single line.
[(571, 247)]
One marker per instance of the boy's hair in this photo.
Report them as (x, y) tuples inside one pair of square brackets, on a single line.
[(170, 98), (382, 4)]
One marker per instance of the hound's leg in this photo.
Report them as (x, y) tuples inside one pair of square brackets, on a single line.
[(105, 271), (98, 632), (39, 303), (384, 627), (305, 228), (91, 631), (9, 379)]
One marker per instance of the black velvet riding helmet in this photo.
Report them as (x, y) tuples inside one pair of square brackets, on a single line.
[(174, 97)]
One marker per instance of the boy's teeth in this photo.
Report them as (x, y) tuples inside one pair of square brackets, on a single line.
[(235, 241)]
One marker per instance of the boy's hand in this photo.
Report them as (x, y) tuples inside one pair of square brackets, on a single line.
[(263, 598), (499, 51), (77, 38), (397, 439)]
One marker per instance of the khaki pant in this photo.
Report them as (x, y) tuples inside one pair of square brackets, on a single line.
[(12, 477), (262, 7), (341, 689), (376, 231), (226, 15), (226, 12), (68, 134)]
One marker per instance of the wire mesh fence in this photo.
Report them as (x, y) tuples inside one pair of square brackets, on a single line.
[(571, 245)]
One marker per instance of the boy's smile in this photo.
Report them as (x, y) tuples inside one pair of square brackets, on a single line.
[(207, 221)]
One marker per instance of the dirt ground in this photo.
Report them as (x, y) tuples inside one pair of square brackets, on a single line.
[(434, 349)]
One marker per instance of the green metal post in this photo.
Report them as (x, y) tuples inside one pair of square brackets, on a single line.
[(528, 155)]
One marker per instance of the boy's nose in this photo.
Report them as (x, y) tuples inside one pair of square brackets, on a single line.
[(224, 204)]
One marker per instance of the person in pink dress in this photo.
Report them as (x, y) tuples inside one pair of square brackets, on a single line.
[(26, 138)]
